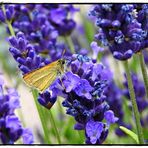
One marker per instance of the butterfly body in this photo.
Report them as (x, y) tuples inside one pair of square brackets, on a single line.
[(43, 77)]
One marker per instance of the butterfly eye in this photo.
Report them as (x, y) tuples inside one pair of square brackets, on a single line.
[(63, 62)]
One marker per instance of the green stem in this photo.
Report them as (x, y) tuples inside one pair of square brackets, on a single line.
[(54, 125), (134, 104), (89, 29), (70, 43), (60, 107), (81, 135), (144, 72), (10, 28), (118, 74), (41, 115), (20, 114)]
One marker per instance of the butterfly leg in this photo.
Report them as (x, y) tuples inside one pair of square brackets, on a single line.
[(62, 84)]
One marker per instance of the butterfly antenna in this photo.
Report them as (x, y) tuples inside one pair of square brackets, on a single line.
[(17, 72), (63, 52)]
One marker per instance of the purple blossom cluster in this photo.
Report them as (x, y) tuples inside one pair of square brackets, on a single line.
[(8, 14), (25, 54), (35, 19), (82, 88), (122, 27), (142, 10), (37, 28), (42, 24), (11, 128)]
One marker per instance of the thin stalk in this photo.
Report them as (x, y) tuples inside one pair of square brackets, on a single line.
[(118, 74), (134, 104), (70, 43), (60, 107), (144, 72), (54, 125), (10, 28), (41, 115), (89, 29), (81, 134), (20, 114)]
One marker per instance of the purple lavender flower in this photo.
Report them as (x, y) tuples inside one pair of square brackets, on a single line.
[(46, 99), (44, 19), (119, 29), (71, 81), (13, 99), (142, 18), (11, 128), (9, 13), (109, 117), (27, 136), (84, 89), (96, 49), (59, 19), (94, 130), (13, 125), (25, 54), (35, 44), (84, 97), (58, 15)]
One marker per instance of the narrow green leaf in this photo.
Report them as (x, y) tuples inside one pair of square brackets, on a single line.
[(88, 28), (130, 133)]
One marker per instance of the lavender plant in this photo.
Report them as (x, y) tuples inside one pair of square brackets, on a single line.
[(11, 128), (83, 91), (123, 28), (40, 34), (122, 32), (142, 18), (26, 45), (119, 29)]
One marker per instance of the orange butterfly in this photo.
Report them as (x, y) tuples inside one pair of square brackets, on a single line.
[(42, 78)]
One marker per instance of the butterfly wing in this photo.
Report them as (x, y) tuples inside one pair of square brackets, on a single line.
[(44, 82), (43, 77)]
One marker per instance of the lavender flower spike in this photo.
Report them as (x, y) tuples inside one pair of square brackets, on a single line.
[(84, 98), (122, 28), (10, 125)]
